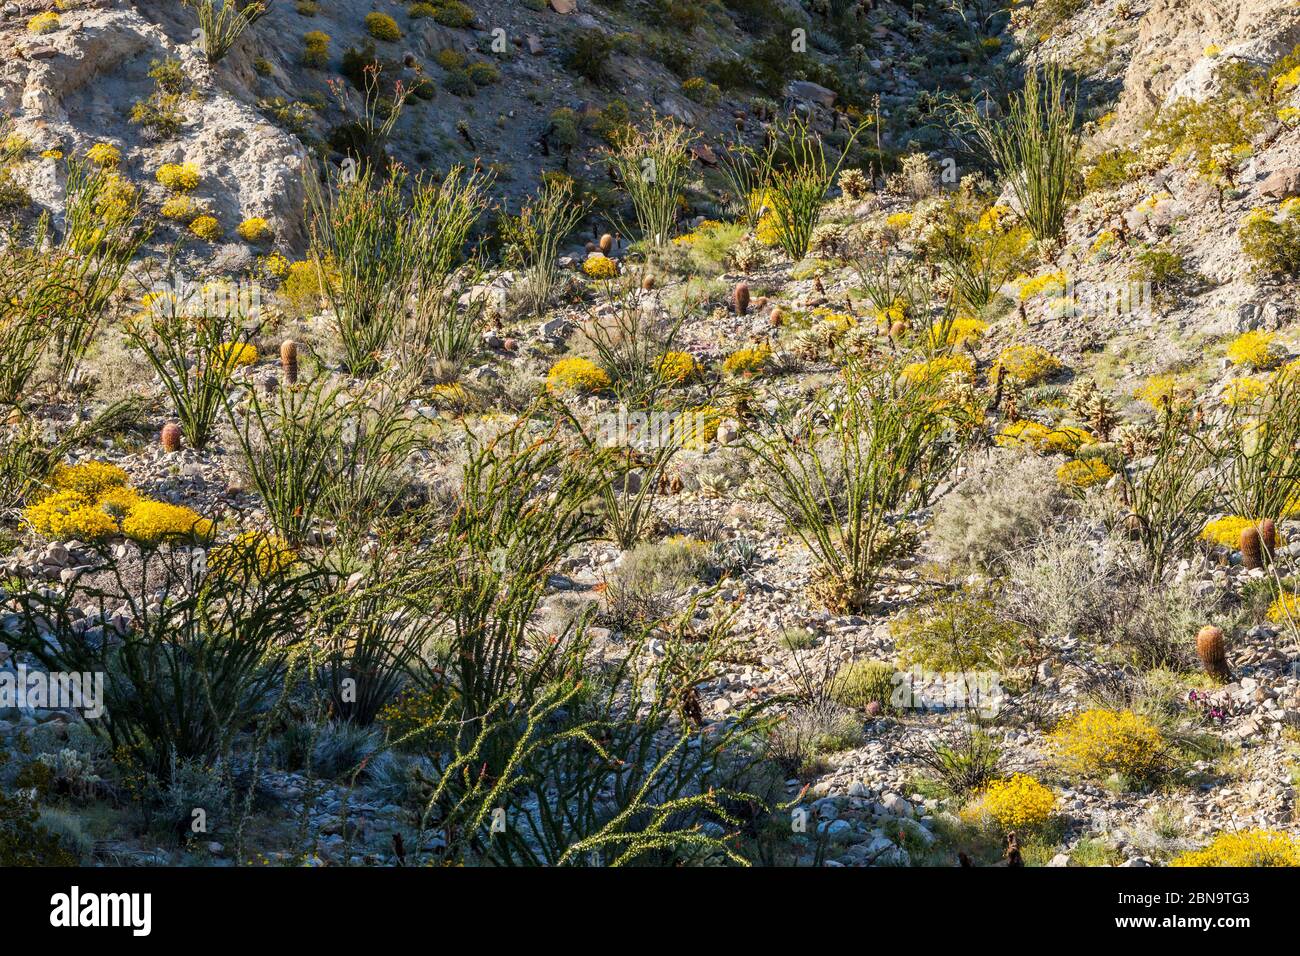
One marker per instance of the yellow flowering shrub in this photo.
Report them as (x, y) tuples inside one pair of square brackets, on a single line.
[(43, 22), (958, 332), (1161, 390), (206, 228), (899, 221), (1099, 742), (578, 374), (702, 231), (1255, 350), (1285, 610), (597, 266), (1084, 473), (178, 177), (412, 713), (1227, 530), (179, 208), (382, 27), (65, 515), (1245, 848), (1102, 244), (1021, 803), (301, 285), (1246, 390), (1049, 283), (678, 366), (747, 361), (937, 369), (254, 229), (1286, 82), (149, 522), (767, 232), (117, 501), (1022, 433), (89, 478), (1029, 363), (268, 553), (885, 318), (233, 355), (700, 426), (104, 154), (276, 265)]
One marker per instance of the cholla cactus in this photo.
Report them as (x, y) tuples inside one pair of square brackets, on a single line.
[(1209, 648), (1090, 404), (854, 184), (1136, 440), (828, 240), (289, 361)]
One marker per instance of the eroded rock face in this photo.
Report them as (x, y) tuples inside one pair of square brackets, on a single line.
[(1169, 59), (75, 87)]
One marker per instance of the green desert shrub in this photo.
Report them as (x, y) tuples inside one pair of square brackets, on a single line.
[(964, 631), (383, 27), (315, 52), (1272, 244), (589, 56), (864, 682), (453, 13)]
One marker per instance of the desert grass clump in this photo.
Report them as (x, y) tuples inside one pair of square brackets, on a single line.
[(865, 685), (1035, 148)]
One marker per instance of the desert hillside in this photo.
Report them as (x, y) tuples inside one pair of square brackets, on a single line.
[(670, 432)]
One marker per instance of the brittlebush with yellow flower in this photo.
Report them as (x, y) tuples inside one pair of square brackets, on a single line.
[(1244, 848), (1020, 803), (1098, 742), (576, 374)]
